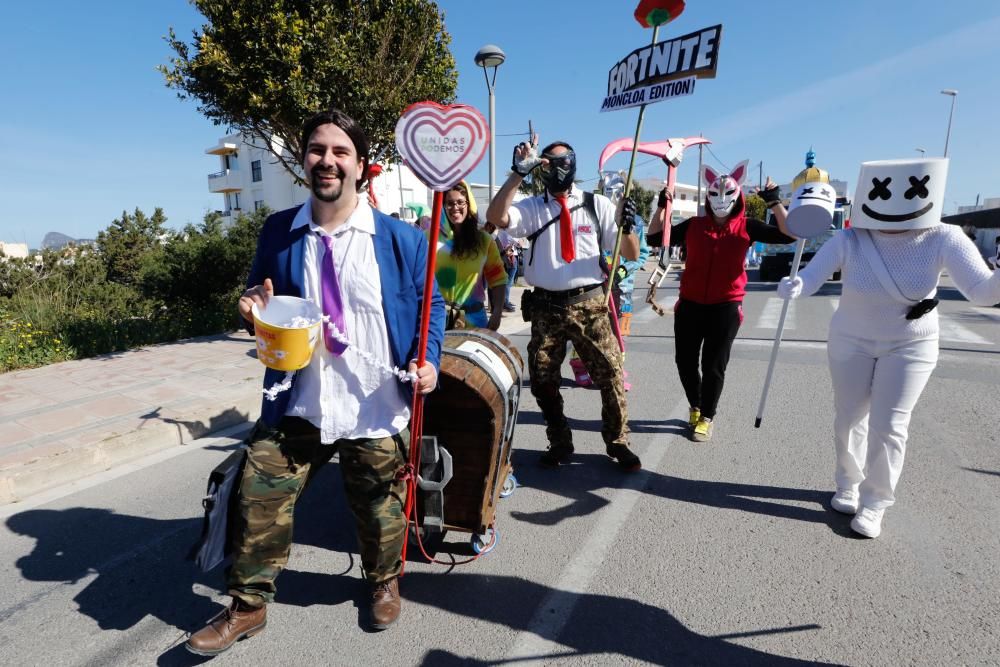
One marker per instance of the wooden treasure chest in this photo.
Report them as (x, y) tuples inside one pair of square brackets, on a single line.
[(467, 434)]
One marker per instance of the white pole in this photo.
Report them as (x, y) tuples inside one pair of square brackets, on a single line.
[(697, 206), (493, 141), (402, 202), (799, 248), (951, 113)]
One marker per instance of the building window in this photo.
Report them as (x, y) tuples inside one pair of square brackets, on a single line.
[(236, 200), (258, 204), (683, 197), (255, 170)]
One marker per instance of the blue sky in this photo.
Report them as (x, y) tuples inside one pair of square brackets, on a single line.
[(87, 128)]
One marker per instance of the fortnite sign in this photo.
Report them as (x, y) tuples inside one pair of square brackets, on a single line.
[(649, 94), (663, 70)]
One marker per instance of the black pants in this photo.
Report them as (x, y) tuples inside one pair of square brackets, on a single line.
[(705, 331)]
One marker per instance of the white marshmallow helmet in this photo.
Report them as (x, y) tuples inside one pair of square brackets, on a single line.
[(612, 184), (724, 190), (900, 194)]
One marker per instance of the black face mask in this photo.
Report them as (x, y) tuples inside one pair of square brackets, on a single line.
[(559, 173)]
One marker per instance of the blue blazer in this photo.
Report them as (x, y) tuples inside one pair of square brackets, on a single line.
[(401, 253)]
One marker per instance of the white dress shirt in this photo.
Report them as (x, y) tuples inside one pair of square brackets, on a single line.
[(547, 268), (347, 396)]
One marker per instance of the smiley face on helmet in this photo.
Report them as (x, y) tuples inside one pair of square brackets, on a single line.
[(900, 194)]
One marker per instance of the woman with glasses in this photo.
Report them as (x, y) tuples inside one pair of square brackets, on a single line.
[(468, 262)]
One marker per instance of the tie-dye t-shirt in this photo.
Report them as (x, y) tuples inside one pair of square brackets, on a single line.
[(464, 280)]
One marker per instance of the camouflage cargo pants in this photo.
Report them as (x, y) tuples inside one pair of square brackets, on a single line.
[(280, 464), (587, 326)]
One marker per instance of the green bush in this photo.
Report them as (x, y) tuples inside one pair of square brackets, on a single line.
[(23, 345), (78, 303)]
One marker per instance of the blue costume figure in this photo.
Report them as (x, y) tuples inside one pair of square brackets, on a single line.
[(626, 284)]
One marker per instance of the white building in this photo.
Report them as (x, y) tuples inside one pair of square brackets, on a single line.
[(685, 198), (481, 193), (249, 177), (988, 203), (15, 250)]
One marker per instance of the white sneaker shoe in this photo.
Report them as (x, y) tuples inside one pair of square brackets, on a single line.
[(845, 501), (868, 522)]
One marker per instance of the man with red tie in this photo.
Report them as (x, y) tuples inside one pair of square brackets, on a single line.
[(568, 231), (366, 271)]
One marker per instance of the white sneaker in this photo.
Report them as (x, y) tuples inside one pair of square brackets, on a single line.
[(845, 501), (868, 522)]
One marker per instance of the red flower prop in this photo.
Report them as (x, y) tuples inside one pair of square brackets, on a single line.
[(373, 171), (652, 13)]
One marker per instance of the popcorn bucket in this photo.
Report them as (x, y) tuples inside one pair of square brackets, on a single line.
[(287, 331)]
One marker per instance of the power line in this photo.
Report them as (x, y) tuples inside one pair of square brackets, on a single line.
[(708, 147)]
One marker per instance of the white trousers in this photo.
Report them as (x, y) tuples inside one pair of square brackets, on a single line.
[(875, 387)]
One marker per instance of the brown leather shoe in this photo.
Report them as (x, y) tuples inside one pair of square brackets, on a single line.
[(239, 620), (385, 603)]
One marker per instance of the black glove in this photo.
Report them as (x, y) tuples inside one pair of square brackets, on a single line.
[(523, 166), (627, 219), (771, 196), (664, 197)]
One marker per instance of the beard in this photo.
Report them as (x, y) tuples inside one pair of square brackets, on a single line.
[(327, 193)]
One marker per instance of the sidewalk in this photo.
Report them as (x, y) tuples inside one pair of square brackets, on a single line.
[(63, 422)]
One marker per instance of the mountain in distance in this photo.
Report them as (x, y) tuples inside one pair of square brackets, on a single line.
[(56, 240)]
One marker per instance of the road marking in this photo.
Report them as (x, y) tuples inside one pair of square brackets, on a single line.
[(538, 643), (951, 330), (645, 313), (987, 312), (785, 344), (772, 313), (956, 356)]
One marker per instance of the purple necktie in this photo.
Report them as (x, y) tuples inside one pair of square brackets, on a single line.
[(333, 305)]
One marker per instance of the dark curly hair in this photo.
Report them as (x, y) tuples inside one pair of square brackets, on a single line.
[(465, 236), (350, 128)]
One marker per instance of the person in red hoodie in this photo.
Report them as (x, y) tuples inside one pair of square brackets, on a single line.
[(709, 312)]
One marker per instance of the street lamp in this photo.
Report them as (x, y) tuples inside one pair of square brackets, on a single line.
[(493, 56), (954, 94), (921, 151)]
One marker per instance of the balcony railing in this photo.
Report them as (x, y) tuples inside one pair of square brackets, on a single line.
[(227, 180)]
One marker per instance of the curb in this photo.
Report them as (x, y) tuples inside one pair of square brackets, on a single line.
[(61, 465)]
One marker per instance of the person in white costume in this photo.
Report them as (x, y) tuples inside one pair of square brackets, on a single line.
[(883, 340)]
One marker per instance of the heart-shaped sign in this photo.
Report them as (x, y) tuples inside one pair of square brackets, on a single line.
[(441, 143)]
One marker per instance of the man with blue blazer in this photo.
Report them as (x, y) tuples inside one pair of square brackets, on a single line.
[(366, 270)]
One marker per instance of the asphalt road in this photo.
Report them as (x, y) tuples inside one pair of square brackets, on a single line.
[(723, 553)]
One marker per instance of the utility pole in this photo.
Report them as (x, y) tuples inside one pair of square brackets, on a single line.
[(701, 151)]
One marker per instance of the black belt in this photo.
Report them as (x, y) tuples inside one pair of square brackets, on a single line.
[(570, 296)]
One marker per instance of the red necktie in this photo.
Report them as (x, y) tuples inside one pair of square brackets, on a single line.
[(565, 231)]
